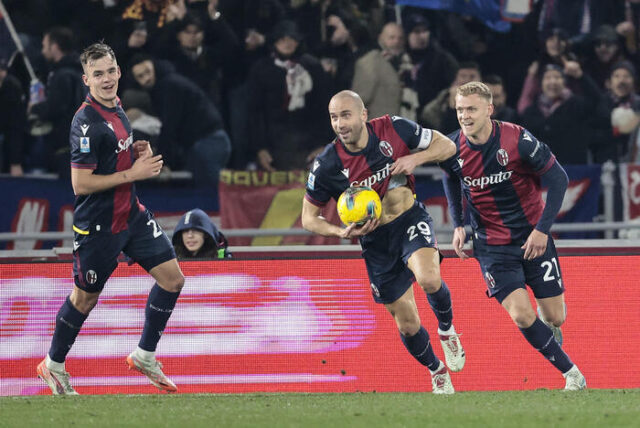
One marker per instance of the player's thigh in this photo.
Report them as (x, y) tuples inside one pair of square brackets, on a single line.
[(425, 265), (168, 275), (95, 257), (148, 245), (405, 313), (501, 268), (543, 274), (553, 309)]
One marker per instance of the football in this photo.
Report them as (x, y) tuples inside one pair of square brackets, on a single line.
[(359, 204)]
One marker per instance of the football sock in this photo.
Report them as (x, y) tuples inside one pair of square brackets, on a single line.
[(69, 320), (440, 302), (159, 308), (145, 355), (541, 338), (419, 346)]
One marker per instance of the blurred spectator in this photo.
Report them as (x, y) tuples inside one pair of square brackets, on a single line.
[(383, 76), (606, 50), (440, 113), (192, 136), (196, 59), (347, 40), (434, 67), (579, 17), (501, 111), (196, 236), (13, 120), (618, 116), (65, 92), (289, 92), (555, 50), (561, 118)]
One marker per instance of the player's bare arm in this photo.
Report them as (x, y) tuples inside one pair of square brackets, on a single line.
[(440, 149), (85, 182), (313, 221)]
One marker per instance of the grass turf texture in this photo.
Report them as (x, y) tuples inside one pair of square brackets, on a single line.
[(601, 408)]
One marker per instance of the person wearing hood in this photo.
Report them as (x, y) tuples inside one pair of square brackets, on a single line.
[(192, 136), (289, 91), (64, 92), (196, 236)]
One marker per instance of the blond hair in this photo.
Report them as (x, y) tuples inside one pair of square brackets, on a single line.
[(477, 88)]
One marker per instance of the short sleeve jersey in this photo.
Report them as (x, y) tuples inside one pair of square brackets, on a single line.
[(101, 140), (501, 181), (337, 168)]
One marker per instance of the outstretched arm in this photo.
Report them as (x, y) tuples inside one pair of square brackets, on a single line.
[(440, 149)]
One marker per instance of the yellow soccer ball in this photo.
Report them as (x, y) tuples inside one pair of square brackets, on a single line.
[(359, 204)]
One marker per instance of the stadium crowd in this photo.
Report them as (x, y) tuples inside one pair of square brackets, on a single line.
[(241, 83)]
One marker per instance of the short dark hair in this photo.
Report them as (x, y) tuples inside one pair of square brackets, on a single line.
[(493, 79), (61, 36), (137, 59), (95, 52)]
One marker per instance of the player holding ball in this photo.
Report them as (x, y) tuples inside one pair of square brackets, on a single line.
[(399, 246)]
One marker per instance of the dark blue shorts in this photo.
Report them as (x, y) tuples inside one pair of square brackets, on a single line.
[(387, 249), (505, 270), (95, 255)]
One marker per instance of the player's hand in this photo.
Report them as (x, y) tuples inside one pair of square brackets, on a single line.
[(146, 167), (536, 245), (404, 165), (265, 160), (142, 147), (459, 236), (353, 230)]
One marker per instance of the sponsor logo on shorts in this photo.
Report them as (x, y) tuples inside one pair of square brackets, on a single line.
[(375, 290), (92, 277), (491, 283)]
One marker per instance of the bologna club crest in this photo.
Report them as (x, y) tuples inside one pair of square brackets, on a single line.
[(386, 148), (503, 157), (491, 283)]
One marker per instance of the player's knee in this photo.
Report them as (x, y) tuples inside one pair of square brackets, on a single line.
[(84, 302), (523, 317), (557, 319), (430, 281), (409, 329), (176, 283)]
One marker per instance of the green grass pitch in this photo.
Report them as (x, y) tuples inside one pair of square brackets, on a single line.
[(541, 408)]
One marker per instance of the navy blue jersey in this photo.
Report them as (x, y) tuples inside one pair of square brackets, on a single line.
[(101, 141), (501, 182), (336, 168)]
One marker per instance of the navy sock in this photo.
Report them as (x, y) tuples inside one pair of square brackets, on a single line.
[(541, 338), (419, 346), (159, 307), (69, 320), (440, 302)]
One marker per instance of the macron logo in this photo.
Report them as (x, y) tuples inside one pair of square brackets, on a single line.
[(460, 162), (345, 172)]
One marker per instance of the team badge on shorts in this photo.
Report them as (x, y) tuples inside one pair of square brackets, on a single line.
[(375, 290), (491, 283), (503, 157), (386, 149), (92, 277)]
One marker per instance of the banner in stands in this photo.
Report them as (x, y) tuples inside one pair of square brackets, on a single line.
[(310, 326), (255, 199), (630, 180), (247, 199)]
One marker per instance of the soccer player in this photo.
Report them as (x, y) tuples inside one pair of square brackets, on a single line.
[(108, 219), (401, 246), (498, 167)]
